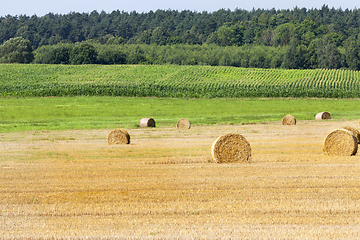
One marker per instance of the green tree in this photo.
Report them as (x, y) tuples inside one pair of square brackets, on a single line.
[(285, 33), (43, 54), (60, 54), (83, 53), (27, 33), (111, 56), (277, 20), (336, 38), (144, 37), (352, 54), (307, 26), (296, 56), (312, 55), (249, 35), (116, 40), (230, 34), (136, 56), (190, 37), (159, 36), (328, 55), (16, 50), (263, 19)]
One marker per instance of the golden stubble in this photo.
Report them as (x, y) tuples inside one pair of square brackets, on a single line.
[(164, 184)]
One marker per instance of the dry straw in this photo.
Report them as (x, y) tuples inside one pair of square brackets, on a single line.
[(183, 123), (354, 131), (340, 142), (231, 147), (118, 136), (147, 122), (288, 120), (322, 115)]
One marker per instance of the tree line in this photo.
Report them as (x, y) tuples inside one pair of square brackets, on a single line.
[(298, 38)]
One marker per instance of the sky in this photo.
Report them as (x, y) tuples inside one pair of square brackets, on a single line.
[(43, 7)]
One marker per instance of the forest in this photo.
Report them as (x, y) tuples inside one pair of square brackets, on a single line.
[(300, 38)]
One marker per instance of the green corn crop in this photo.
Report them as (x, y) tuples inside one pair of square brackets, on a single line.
[(18, 80)]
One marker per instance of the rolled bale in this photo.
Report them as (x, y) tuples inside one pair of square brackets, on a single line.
[(118, 136), (340, 142), (354, 131), (147, 122), (288, 120), (322, 115), (231, 147), (183, 123)]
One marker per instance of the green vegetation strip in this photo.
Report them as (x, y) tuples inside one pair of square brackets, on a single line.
[(174, 81), (66, 113)]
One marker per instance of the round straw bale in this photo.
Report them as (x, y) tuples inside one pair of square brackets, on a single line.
[(183, 123), (288, 120), (354, 131), (340, 142), (322, 115), (231, 147), (147, 122), (118, 136)]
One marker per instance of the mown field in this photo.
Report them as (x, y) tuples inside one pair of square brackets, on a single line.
[(59, 178), (164, 185), (76, 113), (174, 81)]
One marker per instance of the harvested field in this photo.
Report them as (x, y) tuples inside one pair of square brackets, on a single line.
[(164, 184)]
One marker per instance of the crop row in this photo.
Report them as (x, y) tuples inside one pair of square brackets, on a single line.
[(175, 81)]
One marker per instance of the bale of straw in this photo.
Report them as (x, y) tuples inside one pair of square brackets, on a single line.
[(147, 122), (118, 136), (230, 148), (340, 142), (322, 115), (288, 120), (354, 131), (183, 123)]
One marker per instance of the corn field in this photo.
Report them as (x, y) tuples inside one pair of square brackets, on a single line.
[(174, 81)]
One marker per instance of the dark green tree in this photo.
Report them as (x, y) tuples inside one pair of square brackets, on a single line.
[(328, 55), (336, 38), (230, 34), (83, 53), (190, 37), (312, 55), (285, 33), (249, 35), (111, 56), (16, 50), (60, 54), (116, 40), (159, 36), (136, 56), (296, 56), (352, 54), (277, 20)]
